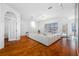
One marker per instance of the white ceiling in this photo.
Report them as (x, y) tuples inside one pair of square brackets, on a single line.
[(39, 11)]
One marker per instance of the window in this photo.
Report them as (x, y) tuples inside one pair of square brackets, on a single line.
[(73, 27), (51, 28)]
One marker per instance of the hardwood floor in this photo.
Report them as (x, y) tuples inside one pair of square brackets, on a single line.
[(28, 47)]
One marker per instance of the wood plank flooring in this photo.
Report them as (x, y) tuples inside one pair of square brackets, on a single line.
[(28, 47)]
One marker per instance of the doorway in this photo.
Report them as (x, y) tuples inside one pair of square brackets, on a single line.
[(10, 26)]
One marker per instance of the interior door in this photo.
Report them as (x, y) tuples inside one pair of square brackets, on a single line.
[(12, 30)]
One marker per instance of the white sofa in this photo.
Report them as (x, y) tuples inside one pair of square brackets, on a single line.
[(44, 39)]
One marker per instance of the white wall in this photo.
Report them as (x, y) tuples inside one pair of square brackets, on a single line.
[(1, 29), (26, 26)]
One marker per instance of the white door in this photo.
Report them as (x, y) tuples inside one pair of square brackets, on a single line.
[(12, 30)]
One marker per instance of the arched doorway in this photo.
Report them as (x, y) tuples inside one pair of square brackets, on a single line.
[(10, 25)]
